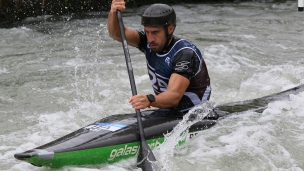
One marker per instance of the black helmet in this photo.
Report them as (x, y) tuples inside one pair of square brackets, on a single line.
[(158, 15)]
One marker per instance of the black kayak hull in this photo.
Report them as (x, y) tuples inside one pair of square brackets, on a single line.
[(116, 137)]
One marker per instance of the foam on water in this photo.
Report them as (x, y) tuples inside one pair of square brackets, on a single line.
[(275, 78), (56, 77), (166, 151), (3, 70), (267, 141)]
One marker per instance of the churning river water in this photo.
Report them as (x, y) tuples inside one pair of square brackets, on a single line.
[(60, 73)]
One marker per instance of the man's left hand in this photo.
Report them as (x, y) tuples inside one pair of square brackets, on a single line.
[(139, 101)]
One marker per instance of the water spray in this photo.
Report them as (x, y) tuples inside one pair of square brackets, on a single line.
[(300, 5)]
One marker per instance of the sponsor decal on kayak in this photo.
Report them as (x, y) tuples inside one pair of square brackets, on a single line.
[(129, 150), (191, 135), (98, 126)]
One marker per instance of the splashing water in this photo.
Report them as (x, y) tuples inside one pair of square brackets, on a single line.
[(58, 76), (179, 135)]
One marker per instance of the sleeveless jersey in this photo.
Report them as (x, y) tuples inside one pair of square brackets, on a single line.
[(182, 58)]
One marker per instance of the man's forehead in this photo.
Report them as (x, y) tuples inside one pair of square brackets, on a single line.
[(153, 28)]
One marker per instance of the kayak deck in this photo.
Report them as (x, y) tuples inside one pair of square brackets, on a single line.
[(116, 137)]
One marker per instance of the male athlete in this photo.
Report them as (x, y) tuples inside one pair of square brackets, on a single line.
[(176, 68)]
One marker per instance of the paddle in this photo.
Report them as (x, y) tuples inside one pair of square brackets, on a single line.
[(145, 155)]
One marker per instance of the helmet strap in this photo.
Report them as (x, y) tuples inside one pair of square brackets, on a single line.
[(168, 37)]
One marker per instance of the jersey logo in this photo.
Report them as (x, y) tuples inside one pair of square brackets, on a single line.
[(183, 65), (167, 60), (159, 83)]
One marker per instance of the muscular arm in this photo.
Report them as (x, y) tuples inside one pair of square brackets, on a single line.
[(113, 27), (176, 89), (186, 64), (170, 98)]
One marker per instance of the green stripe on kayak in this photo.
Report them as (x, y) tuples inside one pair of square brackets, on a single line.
[(102, 155)]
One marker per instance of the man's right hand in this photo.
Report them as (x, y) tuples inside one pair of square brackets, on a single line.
[(118, 5)]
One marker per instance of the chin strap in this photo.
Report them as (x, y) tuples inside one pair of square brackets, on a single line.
[(168, 37)]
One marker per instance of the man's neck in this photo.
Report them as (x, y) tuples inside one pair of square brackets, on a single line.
[(170, 44)]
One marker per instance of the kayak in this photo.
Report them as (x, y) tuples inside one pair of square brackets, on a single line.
[(116, 137)]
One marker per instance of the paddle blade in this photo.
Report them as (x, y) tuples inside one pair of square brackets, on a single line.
[(146, 159)]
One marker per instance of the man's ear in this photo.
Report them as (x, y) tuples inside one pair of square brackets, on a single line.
[(171, 28)]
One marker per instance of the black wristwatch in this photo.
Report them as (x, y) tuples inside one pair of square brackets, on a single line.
[(151, 99)]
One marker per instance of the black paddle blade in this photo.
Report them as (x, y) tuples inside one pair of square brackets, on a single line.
[(146, 158)]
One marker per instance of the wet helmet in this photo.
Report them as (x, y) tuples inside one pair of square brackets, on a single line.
[(158, 15)]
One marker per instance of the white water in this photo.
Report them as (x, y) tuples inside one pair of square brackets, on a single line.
[(58, 76)]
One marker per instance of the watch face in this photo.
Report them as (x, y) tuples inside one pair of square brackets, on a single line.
[(151, 98)]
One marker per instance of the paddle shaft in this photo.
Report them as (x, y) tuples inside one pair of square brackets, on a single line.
[(146, 154)]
